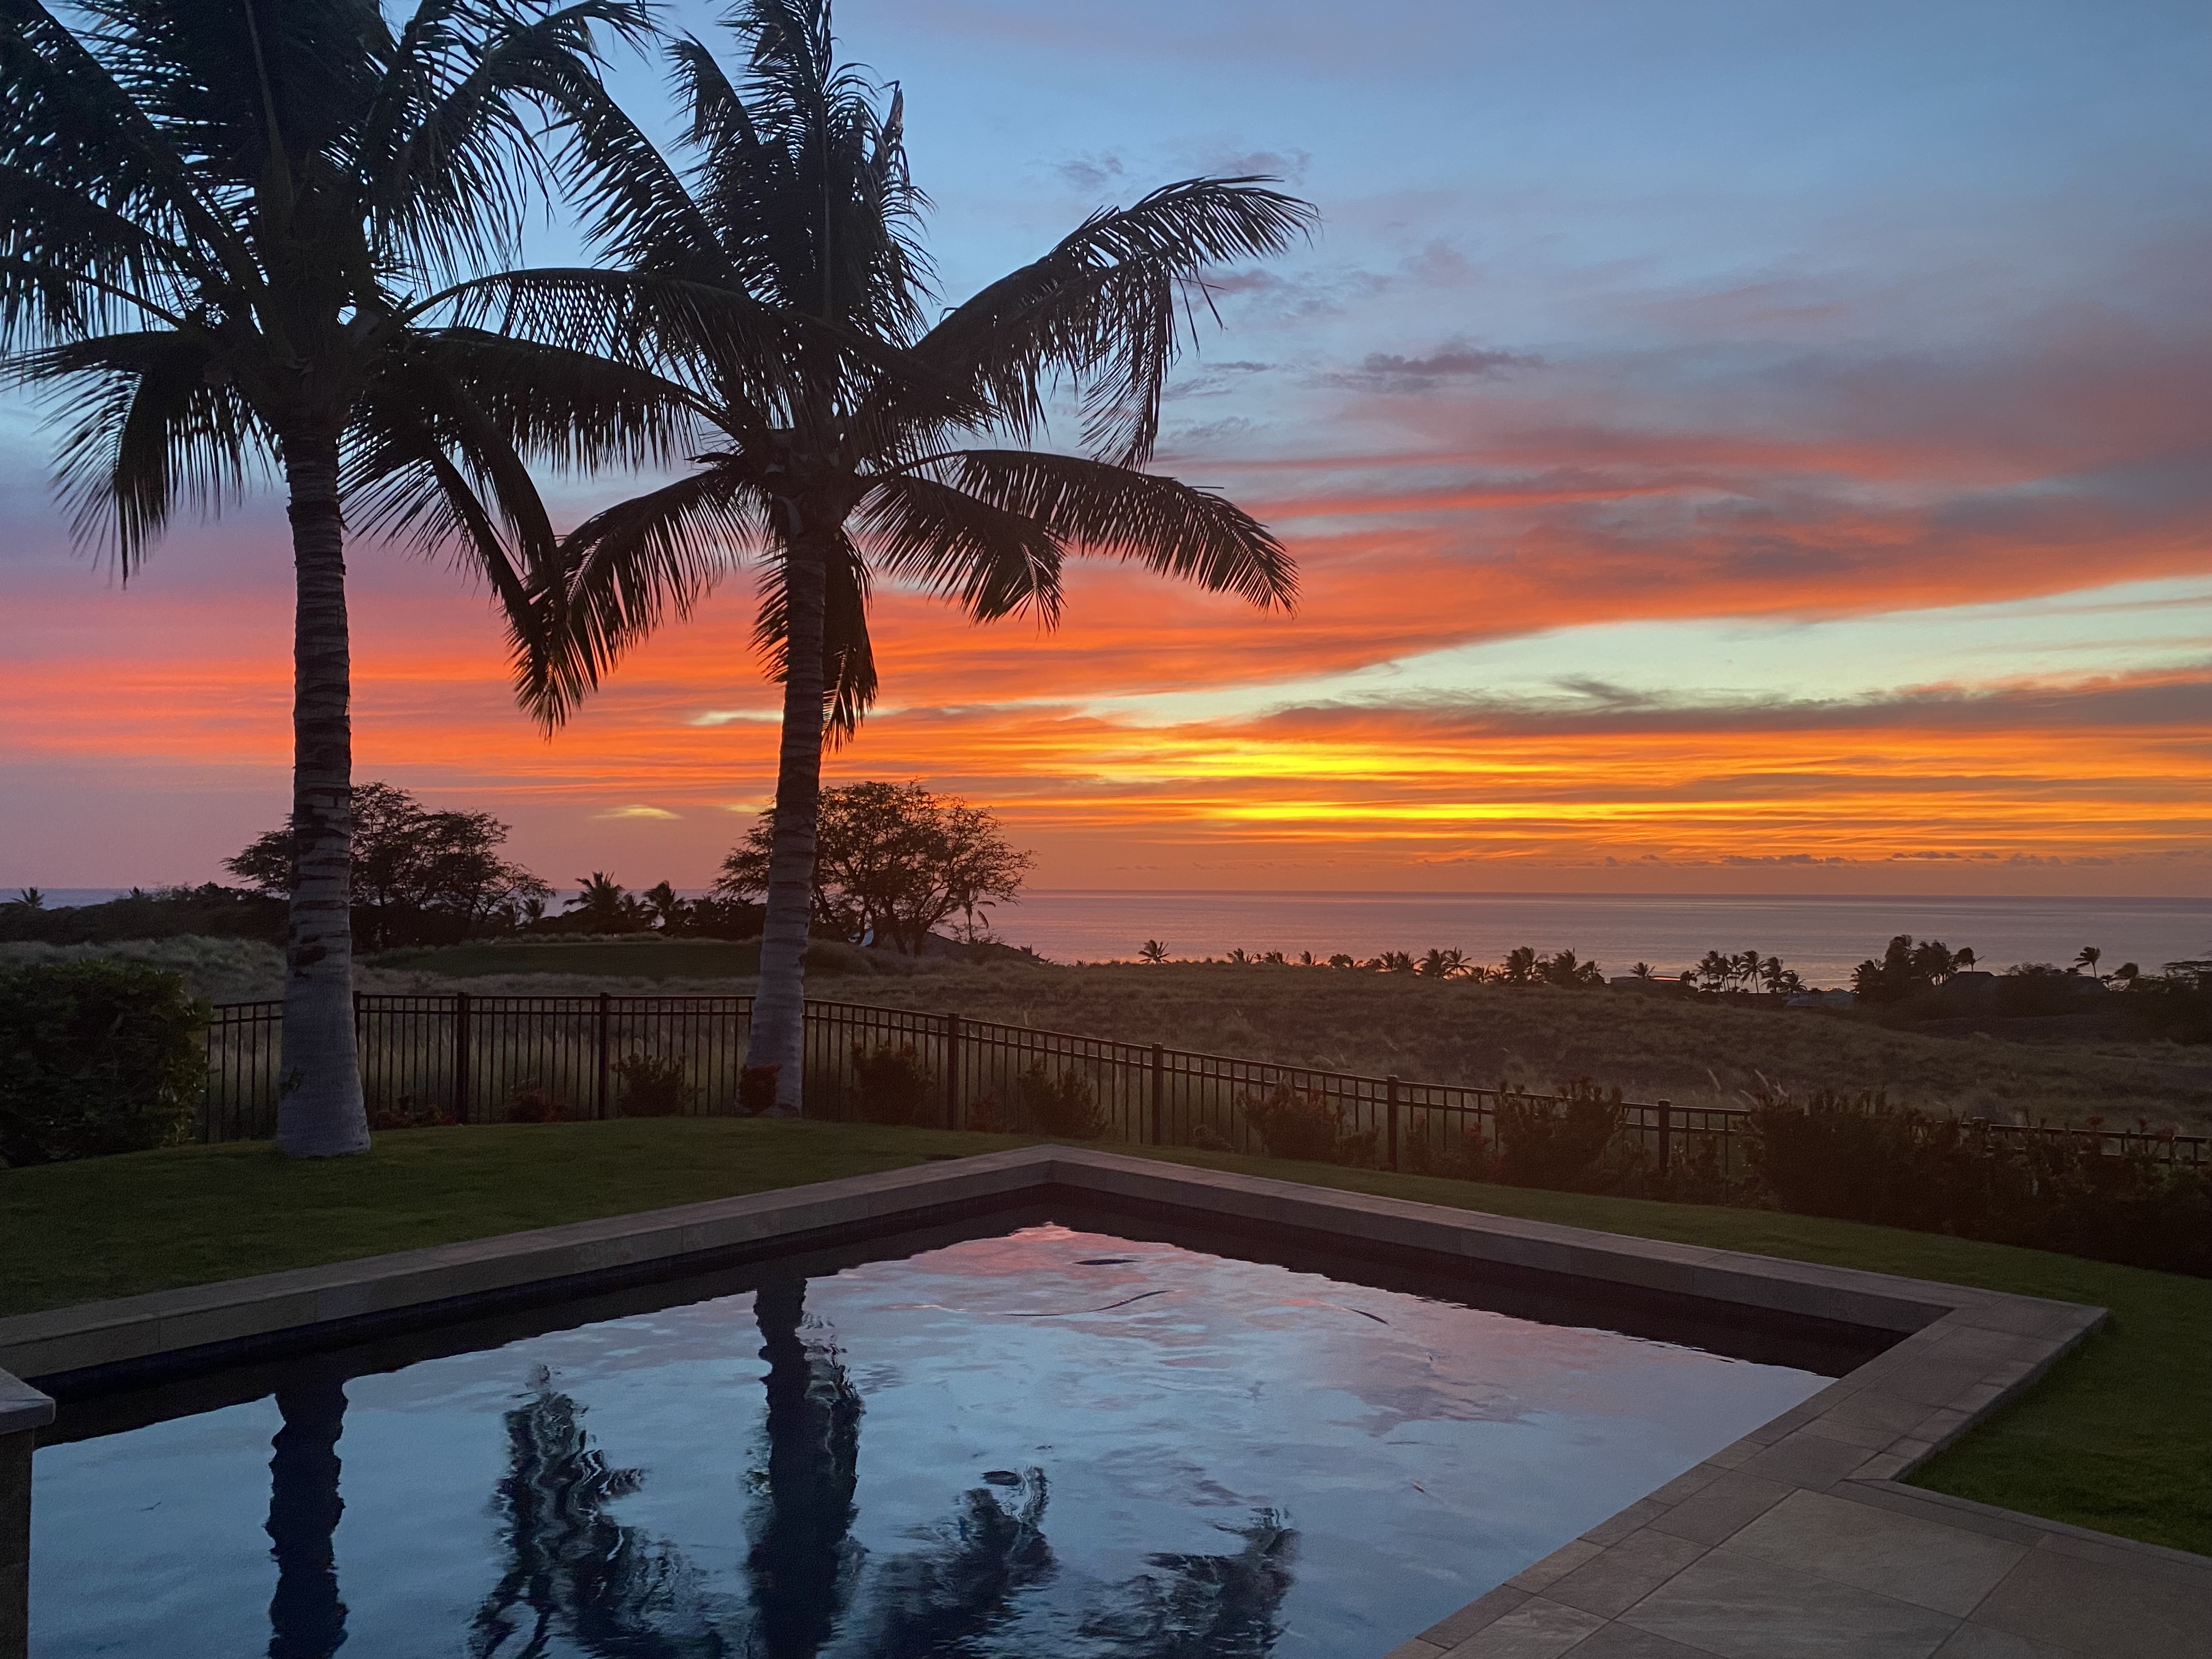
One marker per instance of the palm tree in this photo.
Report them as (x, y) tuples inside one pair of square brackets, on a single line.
[(1152, 951), (852, 453), (2088, 958), (224, 226)]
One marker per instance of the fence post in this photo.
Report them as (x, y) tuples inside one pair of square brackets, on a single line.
[(1666, 1134), (461, 1056), (606, 1004), (1159, 1091), (1390, 1088), (952, 1070)]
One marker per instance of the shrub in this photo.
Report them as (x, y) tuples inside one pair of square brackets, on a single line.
[(1301, 1124), (891, 1085), (651, 1086), (532, 1102), (1558, 1143), (96, 1057), (1065, 1105), (405, 1112)]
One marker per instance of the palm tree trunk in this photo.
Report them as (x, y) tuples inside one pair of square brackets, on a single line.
[(319, 1112), (780, 1008)]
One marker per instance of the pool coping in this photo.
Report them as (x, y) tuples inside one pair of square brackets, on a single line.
[(1689, 1570)]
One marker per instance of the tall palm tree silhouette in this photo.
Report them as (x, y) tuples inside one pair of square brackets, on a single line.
[(851, 453), (226, 228)]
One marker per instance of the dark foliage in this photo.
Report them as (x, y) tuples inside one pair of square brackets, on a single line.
[(532, 1102), (405, 1112), (1861, 1159), (1907, 969), (893, 860), (1304, 1124), (96, 1057), (419, 877), (208, 912), (893, 1085), (1557, 1142), (1063, 1104), (652, 1086)]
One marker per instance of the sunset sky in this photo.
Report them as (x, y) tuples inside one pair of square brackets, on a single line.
[(1727, 447)]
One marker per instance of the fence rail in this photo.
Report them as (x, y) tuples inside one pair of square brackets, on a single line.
[(489, 1060)]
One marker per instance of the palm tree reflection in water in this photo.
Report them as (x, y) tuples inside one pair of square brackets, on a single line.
[(603, 1587), (306, 1620), (574, 1572)]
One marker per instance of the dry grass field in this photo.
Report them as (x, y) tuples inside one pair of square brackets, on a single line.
[(1695, 1053)]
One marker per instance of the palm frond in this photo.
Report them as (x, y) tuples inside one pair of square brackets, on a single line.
[(992, 562), (146, 427), (1168, 527), (449, 149), (625, 570), (1103, 309)]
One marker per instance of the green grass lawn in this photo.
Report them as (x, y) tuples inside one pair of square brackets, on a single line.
[(2118, 1438)]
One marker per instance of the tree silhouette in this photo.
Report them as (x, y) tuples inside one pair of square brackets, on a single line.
[(843, 452), (307, 1619), (802, 1562), (572, 1571), (1204, 1607), (227, 230)]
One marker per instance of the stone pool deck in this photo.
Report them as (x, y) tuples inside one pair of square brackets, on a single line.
[(1799, 1539)]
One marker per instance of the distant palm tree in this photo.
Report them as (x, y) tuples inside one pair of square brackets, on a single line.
[(1152, 950), (224, 227), (2088, 958), (839, 440), (604, 904), (28, 898)]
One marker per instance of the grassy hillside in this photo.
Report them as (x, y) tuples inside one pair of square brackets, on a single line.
[(1446, 1031), (1690, 1052)]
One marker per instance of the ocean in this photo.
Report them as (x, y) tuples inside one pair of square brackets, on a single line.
[(1823, 939)]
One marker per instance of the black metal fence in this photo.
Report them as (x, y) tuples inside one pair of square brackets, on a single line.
[(492, 1060)]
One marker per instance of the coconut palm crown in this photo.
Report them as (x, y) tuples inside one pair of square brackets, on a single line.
[(863, 452), (224, 226)]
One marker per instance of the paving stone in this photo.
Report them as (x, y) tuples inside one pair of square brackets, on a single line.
[(2102, 1610), (1683, 1485), (1930, 1566), (1740, 1607), (1484, 1610), (1979, 1642), (1558, 1564), (1807, 1461), (1641, 1513), (1625, 1573), (1941, 1510), (1618, 1641), (1537, 1629), (1723, 1509)]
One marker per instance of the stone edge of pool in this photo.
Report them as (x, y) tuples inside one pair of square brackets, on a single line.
[(1798, 1534)]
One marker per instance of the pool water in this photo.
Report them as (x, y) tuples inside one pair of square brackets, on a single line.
[(1050, 1442)]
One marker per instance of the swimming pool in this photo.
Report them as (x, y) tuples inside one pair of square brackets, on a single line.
[(1068, 1437)]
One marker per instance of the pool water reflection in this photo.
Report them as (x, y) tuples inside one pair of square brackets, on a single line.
[(1049, 1443)]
